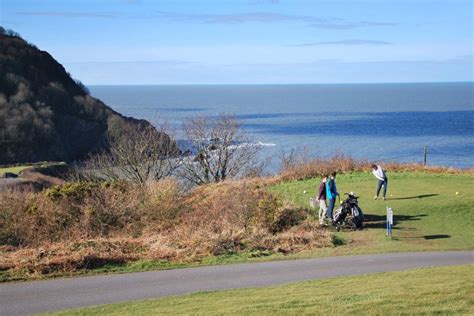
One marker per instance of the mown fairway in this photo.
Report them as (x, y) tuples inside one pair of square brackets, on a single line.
[(445, 290), (16, 169), (428, 213)]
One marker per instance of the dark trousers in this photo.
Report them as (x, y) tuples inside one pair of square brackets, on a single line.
[(379, 186), (331, 208)]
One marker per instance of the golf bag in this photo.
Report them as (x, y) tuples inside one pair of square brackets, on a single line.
[(349, 214)]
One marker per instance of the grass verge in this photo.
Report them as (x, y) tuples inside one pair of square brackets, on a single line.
[(147, 265), (440, 290)]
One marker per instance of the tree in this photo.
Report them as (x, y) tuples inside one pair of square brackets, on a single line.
[(138, 155), (221, 150)]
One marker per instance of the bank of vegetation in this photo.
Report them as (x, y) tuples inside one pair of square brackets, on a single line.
[(84, 225)]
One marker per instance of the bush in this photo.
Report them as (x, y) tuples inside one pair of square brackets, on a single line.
[(319, 167), (288, 217), (295, 168), (74, 192), (85, 210), (27, 219), (82, 225)]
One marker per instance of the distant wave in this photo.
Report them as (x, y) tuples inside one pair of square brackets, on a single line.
[(266, 144), (257, 144), (187, 145)]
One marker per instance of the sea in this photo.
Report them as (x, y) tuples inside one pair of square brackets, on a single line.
[(387, 122)]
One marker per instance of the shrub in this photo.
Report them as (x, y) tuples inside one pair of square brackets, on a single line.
[(267, 209), (288, 217), (29, 218), (310, 168), (71, 192), (83, 225), (85, 210), (319, 167)]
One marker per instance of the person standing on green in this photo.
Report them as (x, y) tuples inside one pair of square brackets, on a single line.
[(331, 193), (382, 180), (322, 200)]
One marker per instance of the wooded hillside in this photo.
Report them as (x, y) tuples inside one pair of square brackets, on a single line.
[(44, 113)]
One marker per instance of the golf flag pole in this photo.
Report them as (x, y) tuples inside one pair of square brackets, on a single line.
[(389, 221)]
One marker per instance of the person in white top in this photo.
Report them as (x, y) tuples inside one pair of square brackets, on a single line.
[(382, 180)]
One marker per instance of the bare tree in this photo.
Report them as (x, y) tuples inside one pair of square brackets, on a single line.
[(222, 150), (138, 155)]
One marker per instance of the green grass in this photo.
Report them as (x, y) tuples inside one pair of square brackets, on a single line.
[(16, 170), (19, 168), (441, 290), (148, 265), (427, 212)]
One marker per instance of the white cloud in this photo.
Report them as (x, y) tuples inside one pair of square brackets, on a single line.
[(269, 17), (344, 42)]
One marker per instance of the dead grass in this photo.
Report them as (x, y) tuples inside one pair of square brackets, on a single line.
[(85, 225), (318, 167), (310, 168), (70, 256)]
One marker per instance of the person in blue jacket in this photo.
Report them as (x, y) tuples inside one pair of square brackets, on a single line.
[(331, 193)]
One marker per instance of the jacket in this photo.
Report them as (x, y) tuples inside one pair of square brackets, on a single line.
[(331, 189), (379, 174), (322, 191)]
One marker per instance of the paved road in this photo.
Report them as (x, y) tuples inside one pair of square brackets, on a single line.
[(53, 295)]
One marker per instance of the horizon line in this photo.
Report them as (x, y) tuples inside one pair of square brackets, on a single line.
[(274, 84)]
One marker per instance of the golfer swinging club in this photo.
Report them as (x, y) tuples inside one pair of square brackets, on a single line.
[(382, 180)]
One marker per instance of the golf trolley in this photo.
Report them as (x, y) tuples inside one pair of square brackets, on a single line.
[(349, 214)]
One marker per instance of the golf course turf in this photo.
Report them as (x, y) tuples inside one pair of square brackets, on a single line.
[(428, 214)]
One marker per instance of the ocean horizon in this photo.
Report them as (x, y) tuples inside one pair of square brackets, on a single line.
[(384, 122)]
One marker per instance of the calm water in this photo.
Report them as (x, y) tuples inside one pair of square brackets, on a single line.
[(383, 122)]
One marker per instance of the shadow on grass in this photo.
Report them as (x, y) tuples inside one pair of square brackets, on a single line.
[(436, 236), (93, 262), (379, 221), (338, 240), (414, 197), (426, 237)]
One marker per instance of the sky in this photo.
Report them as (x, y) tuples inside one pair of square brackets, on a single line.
[(117, 42)]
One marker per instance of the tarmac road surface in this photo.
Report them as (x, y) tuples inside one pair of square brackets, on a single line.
[(58, 294)]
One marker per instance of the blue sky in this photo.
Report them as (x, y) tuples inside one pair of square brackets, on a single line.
[(250, 41)]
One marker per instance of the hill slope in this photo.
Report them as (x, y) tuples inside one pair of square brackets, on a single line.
[(44, 113)]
